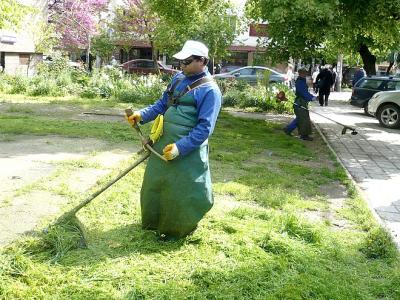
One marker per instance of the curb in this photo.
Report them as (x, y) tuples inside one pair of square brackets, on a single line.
[(359, 190)]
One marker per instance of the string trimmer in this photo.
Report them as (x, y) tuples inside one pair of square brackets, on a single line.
[(69, 221), (282, 97)]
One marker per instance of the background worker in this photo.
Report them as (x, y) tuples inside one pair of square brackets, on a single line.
[(301, 106), (175, 195)]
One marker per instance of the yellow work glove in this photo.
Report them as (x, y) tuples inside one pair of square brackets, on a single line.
[(170, 151), (134, 118), (157, 129)]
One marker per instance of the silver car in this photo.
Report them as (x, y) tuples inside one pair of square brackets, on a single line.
[(385, 106), (253, 74)]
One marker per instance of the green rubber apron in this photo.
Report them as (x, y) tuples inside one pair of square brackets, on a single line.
[(176, 195), (303, 116)]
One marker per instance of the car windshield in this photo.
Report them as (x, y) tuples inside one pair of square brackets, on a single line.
[(370, 84)]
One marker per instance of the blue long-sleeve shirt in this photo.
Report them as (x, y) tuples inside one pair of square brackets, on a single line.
[(207, 99), (302, 89)]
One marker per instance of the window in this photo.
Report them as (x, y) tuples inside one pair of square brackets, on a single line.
[(371, 84), (24, 59), (258, 30), (246, 72), (145, 64), (393, 85)]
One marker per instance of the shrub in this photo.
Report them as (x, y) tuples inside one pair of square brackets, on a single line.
[(89, 92), (55, 67), (43, 88), (260, 97), (18, 84), (378, 244), (142, 89), (5, 85)]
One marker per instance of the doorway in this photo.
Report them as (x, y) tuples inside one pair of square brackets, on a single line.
[(2, 61)]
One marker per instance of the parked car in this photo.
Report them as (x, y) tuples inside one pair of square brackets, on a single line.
[(145, 66), (385, 106), (366, 87), (252, 74), (226, 69)]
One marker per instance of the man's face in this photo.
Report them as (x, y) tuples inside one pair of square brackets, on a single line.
[(191, 65)]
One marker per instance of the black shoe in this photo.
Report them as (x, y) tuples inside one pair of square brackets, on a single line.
[(306, 138), (167, 238), (285, 130)]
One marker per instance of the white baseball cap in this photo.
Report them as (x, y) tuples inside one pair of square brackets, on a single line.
[(192, 48)]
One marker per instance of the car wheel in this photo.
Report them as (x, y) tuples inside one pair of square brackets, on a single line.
[(389, 116)]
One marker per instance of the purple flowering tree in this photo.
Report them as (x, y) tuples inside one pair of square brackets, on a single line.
[(76, 22)]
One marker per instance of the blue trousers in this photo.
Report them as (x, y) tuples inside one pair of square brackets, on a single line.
[(292, 125)]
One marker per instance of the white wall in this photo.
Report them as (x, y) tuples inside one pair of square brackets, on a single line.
[(23, 39)]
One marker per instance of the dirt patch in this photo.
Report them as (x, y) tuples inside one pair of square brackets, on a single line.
[(27, 161), (25, 212), (62, 111)]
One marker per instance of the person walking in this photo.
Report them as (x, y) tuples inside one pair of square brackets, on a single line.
[(314, 79), (334, 77), (176, 195), (289, 76), (359, 73), (324, 81), (303, 97)]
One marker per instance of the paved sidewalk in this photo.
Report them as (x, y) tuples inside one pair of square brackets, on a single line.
[(372, 157)]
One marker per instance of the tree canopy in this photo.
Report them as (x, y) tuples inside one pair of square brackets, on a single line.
[(209, 21), (76, 20), (11, 14), (299, 28)]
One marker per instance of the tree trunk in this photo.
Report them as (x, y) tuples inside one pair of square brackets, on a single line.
[(154, 56), (368, 58), (339, 73), (389, 68)]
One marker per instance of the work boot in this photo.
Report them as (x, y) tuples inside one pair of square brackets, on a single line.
[(167, 238), (306, 138)]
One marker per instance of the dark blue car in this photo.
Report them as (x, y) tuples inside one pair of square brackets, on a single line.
[(365, 88)]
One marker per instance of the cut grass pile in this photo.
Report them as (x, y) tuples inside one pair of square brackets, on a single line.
[(256, 242)]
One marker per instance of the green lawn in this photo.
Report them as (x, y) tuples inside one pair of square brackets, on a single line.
[(258, 241)]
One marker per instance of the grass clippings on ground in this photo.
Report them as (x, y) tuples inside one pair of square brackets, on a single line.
[(254, 244)]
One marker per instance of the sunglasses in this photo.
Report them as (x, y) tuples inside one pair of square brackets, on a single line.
[(187, 61)]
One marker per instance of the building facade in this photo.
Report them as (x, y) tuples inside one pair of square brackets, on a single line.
[(18, 54)]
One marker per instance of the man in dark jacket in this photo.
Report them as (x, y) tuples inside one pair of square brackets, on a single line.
[(324, 82)]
